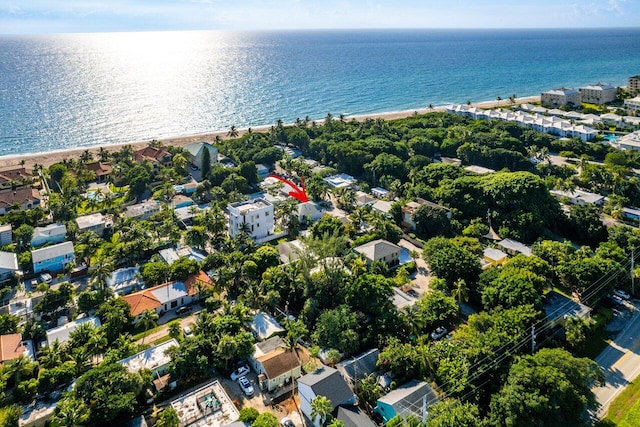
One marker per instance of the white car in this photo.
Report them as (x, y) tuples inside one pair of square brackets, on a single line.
[(440, 332), (616, 299), (622, 294), (188, 333), (240, 372), (245, 386)]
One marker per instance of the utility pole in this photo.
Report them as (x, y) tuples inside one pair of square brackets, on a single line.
[(633, 288), (533, 339)]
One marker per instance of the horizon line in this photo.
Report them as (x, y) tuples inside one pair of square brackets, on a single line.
[(337, 29)]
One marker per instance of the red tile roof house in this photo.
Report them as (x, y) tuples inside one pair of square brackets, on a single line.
[(17, 176), (167, 296), (102, 170), (11, 347), (26, 198), (155, 155)]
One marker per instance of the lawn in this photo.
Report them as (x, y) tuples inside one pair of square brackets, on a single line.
[(624, 411)]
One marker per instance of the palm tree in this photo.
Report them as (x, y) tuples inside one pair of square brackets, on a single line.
[(233, 132), (20, 367), (336, 423), (97, 342), (81, 360), (51, 356), (70, 412), (147, 321), (295, 330), (498, 99), (101, 270), (460, 291), (321, 407), (103, 154)]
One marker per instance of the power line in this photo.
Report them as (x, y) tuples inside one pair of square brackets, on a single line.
[(545, 325)]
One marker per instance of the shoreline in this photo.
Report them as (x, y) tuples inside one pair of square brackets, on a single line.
[(48, 158)]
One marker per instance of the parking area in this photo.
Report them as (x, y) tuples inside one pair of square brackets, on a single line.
[(621, 313), (261, 401)]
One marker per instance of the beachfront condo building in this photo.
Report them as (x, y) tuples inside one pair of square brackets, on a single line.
[(598, 94), (634, 85), (255, 217), (560, 97), (633, 106)]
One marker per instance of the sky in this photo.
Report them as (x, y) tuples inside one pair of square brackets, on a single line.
[(78, 16)]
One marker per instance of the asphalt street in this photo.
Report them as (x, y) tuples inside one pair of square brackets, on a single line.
[(620, 362)]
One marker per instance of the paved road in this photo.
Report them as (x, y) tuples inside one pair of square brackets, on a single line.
[(620, 362)]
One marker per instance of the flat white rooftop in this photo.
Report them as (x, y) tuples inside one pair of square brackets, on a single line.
[(250, 205), (209, 405), (150, 358)]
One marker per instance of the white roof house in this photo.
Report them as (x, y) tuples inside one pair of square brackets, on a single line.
[(406, 400), (62, 333), (52, 233), (265, 326), (380, 193), (630, 141), (53, 258), (8, 262), (95, 222), (171, 255), (382, 206), (142, 210), (340, 180), (380, 250), (52, 251), (480, 170), (209, 405), (309, 210), (5, 234), (513, 246), (124, 280), (579, 197), (255, 216), (155, 358)]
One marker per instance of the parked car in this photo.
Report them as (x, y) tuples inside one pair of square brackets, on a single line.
[(245, 386), (622, 294), (616, 299), (286, 422), (183, 310), (440, 332), (240, 372), (188, 333), (46, 278)]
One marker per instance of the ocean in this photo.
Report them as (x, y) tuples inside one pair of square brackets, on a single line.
[(76, 90)]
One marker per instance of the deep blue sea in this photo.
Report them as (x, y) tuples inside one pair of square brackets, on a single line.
[(66, 91)]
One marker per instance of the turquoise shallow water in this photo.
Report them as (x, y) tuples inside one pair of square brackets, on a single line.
[(77, 90)]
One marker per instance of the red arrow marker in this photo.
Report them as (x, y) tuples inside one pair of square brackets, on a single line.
[(297, 192)]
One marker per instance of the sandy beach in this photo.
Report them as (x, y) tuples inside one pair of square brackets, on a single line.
[(51, 157)]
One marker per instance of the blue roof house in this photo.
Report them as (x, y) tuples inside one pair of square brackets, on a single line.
[(412, 398), (52, 258)]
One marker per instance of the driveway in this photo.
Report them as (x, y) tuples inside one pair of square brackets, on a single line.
[(421, 279), (620, 362), (164, 328)]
